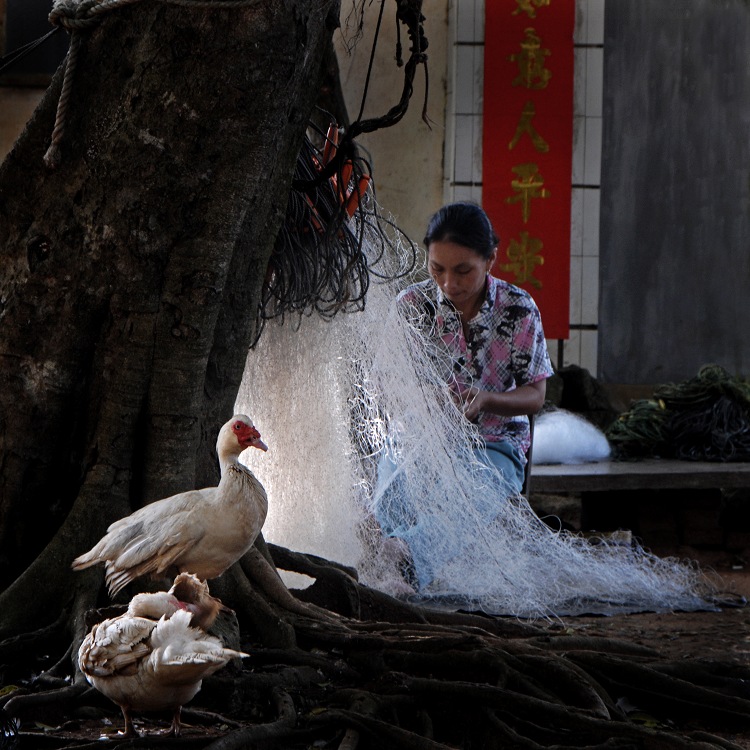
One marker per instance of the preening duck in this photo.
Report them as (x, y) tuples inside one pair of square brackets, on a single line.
[(153, 657)]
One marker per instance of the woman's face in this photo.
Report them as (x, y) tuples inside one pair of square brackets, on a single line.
[(460, 272)]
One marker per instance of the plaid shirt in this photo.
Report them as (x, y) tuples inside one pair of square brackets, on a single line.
[(504, 349)]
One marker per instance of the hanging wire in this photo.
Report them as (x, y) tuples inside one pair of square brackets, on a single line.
[(11, 58), (409, 13), (372, 60)]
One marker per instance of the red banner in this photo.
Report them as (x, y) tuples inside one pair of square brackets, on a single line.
[(528, 148)]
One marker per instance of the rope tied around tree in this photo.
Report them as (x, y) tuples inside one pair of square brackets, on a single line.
[(77, 16)]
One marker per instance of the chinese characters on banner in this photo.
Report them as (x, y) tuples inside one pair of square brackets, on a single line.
[(528, 148)]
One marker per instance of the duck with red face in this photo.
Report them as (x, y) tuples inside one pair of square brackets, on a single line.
[(202, 532)]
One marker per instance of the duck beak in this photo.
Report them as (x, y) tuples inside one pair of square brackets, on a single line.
[(250, 438), (259, 444)]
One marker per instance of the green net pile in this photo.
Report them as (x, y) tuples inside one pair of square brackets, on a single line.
[(705, 418)]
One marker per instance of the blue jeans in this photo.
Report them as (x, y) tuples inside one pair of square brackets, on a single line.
[(506, 458), (398, 514)]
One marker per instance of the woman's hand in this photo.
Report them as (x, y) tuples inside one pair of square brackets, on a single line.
[(471, 400), (527, 399)]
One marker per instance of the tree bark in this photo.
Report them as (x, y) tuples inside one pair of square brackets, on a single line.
[(131, 273)]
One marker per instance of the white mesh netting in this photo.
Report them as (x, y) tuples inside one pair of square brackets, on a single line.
[(329, 397)]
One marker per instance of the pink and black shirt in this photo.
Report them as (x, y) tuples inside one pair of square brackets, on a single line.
[(504, 349)]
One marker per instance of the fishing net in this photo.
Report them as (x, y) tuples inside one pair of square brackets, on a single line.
[(705, 418), (338, 399)]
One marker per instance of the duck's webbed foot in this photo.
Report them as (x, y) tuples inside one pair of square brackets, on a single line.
[(129, 728), (176, 728)]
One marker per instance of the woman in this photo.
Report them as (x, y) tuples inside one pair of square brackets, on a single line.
[(492, 330), (492, 333)]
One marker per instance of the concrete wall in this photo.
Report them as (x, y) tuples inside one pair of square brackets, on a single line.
[(675, 212), (407, 158)]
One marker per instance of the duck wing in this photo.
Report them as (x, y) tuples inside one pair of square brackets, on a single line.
[(151, 540), (116, 646)]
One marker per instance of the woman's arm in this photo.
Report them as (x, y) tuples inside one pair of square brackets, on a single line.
[(527, 399)]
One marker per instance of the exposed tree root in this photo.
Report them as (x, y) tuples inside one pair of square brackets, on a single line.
[(286, 720), (34, 704), (16, 647), (416, 679)]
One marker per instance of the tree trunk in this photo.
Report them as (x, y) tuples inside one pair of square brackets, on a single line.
[(131, 273)]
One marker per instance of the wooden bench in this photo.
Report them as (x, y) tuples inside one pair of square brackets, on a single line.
[(651, 474), (663, 501)]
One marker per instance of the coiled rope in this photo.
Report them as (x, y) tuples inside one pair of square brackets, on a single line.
[(705, 418), (318, 264)]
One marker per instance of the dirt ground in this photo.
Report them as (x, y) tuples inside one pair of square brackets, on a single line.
[(715, 636), (686, 527), (690, 530), (712, 636)]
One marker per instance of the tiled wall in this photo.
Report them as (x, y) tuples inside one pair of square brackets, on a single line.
[(463, 161)]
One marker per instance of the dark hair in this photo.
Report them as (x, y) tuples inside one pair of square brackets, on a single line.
[(465, 224)]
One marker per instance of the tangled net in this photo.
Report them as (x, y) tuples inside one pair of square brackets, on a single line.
[(705, 418), (336, 394)]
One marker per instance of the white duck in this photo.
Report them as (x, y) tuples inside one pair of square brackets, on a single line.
[(188, 592), (200, 531), (144, 664)]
